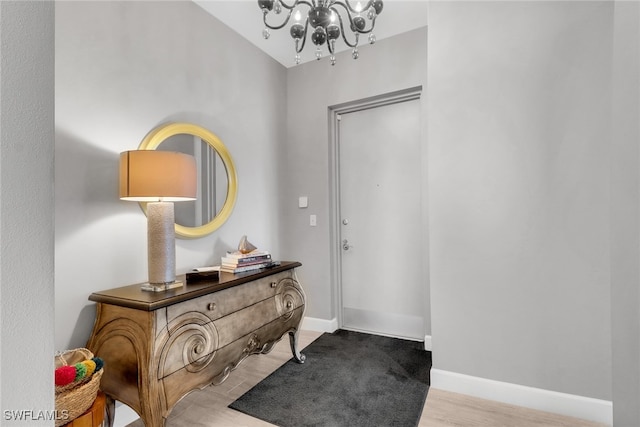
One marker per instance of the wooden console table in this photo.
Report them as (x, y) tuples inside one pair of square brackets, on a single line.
[(158, 347)]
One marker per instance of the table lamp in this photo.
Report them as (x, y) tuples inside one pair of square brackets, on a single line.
[(158, 178)]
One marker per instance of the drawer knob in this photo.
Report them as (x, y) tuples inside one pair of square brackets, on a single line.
[(274, 284), (289, 304), (211, 306), (199, 349)]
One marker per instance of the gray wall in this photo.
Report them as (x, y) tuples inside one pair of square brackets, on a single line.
[(389, 65), (122, 68), (625, 215), (519, 130), (26, 209)]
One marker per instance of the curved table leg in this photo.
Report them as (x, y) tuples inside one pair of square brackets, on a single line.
[(111, 410), (293, 340)]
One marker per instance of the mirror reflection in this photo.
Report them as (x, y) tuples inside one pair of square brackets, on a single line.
[(212, 180)]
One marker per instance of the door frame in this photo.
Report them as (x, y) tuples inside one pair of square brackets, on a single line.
[(335, 111)]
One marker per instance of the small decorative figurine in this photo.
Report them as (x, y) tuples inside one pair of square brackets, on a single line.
[(245, 246)]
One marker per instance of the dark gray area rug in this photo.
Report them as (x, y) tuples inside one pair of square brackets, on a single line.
[(349, 379)]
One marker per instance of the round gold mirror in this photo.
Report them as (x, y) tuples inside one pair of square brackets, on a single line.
[(217, 179)]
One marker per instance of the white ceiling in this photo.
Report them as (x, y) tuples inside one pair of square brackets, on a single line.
[(245, 17)]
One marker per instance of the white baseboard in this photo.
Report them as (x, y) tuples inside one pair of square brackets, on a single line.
[(320, 325), (427, 342), (586, 408)]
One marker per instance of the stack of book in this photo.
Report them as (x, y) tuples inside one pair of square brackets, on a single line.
[(237, 262)]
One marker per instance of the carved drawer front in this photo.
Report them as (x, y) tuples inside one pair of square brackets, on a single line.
[(277, 309), (227, 301), (289, 296), (244, 321), (190, 340)]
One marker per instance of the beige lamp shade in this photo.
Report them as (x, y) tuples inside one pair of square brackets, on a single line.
[(150, 175)]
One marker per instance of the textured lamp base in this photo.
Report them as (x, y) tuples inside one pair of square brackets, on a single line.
[(161, 243), (160, 287)]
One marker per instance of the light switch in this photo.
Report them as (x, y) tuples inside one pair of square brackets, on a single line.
[(312, 220), (303, 202)]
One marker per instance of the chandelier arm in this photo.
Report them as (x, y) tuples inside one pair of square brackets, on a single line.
[(333, 8), (342, 32), (276, 27), (304, 36), (373, 24), (286, 6), (348, 5), (295, 4)]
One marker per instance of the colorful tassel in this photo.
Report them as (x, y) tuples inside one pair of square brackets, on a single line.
[(90, 367), (81, 371), (65, 375), (99, 363)]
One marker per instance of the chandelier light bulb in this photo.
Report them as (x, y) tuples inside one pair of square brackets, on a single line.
[(333, 32), (378, 5), (358, 24), (297, 32), (297, 16), (358, 7), (319, 36)]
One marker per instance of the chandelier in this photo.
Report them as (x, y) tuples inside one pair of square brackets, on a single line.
[(327, 19)]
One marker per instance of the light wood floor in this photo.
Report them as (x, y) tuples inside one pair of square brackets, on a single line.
[(208, 407), (446, 409)]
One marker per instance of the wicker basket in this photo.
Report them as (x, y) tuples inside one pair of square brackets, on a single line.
[(74, 399)]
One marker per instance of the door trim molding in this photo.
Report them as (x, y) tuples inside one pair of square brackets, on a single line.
[(335, 111), (377, 101)]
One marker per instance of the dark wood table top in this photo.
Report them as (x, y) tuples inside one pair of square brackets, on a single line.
[(133, 296)]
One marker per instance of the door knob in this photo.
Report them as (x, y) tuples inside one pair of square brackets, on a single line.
[(345, 245), (345, 221)]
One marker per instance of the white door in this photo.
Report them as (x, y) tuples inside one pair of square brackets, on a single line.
[(382, 283)]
